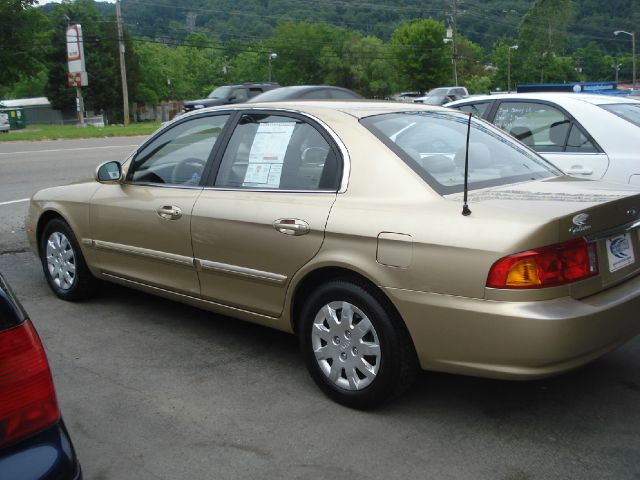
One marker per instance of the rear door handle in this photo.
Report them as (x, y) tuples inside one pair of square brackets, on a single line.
[(291, 226), (169, 212), (579, 170)]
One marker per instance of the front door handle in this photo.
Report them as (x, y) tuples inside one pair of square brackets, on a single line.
[(579, 170), (291, 226), (169, 212)]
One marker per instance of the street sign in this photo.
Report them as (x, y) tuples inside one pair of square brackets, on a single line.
[(75, 57)]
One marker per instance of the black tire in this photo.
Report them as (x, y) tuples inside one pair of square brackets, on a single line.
[(389, 374), (78, 283)]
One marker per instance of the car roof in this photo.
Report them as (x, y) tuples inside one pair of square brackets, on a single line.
[(557, 97), (290, 92), (355, 108)]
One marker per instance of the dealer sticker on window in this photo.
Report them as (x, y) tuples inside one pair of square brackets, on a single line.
[(620, 252)]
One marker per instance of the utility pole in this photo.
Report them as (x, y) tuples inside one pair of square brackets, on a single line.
[(454, 56), (633, 53), (123, 67), (512, 47)]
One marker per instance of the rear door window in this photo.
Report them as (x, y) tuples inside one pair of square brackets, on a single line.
[(538, 125), (278, 153)]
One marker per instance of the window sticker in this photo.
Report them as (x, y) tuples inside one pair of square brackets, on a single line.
[(267, 154)]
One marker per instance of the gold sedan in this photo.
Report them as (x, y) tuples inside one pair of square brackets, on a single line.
[(343, 223)]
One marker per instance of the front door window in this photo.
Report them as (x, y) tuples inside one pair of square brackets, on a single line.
[(178, 156)]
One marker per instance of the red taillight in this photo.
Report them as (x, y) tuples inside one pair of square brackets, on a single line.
[(27, 398), (549, 266)]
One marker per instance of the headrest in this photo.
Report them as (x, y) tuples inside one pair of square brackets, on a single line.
[(523, 134)]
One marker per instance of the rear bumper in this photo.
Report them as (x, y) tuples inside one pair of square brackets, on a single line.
[(48, 455), (519, 340)]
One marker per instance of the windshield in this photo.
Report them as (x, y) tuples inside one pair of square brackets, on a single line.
[(438, 91), (434, 145), (629, 111), (220, 92)]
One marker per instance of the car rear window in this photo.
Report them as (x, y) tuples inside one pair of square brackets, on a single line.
[(629, 111), (434, 145)]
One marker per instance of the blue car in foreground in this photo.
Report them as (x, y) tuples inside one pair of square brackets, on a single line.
[(34, 443)]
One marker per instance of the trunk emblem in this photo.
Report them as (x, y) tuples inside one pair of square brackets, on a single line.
[(632, 212), (580, 222)]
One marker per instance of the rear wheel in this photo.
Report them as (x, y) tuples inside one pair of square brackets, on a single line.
[(356, 350), (63, 264)]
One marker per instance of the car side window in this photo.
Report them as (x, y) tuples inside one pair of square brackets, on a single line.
[(178, 156), (342, 95), (239, 95), (278, 152), (540, 126), (578, 141), (477, 109), (321, 94)]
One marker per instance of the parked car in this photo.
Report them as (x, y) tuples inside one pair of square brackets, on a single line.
[(442, 95), (306, 92), (34, 443), (4, 123), (228, 94), (341, 222), (586, 135), (404, 96)]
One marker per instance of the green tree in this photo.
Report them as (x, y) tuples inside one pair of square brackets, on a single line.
[(543, 35), (201, 65), (470, 62), (421, 58), (506, 60), (593, 64), (251, 66), (303, 50), (371, 68), (156, 71), (22, 35)]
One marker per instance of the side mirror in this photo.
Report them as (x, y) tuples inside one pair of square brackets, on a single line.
[(109, 172)]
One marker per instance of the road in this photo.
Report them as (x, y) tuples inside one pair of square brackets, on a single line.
[(26, 167), (151, 389)]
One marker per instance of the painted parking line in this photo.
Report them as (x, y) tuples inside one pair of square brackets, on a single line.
[(67, 149), (14, 201)]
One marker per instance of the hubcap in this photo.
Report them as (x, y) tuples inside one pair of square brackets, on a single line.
[(61, 261), (346, 345)]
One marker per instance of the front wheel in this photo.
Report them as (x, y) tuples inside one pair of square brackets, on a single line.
[(63, 264), (356, 350)]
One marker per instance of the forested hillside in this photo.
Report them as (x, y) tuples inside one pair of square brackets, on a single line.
[(182, 49), (481, 21)]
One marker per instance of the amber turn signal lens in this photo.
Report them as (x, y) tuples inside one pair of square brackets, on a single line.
[(548, 266)]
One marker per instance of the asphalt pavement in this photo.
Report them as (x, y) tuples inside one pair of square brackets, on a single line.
[(152, 389)]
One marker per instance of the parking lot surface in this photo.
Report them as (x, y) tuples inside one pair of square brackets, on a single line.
[(152, 389)]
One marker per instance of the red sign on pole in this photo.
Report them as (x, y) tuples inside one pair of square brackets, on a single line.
[(73, 79), (78, 79)]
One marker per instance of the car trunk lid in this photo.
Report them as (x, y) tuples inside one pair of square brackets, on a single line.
[(605, 214)]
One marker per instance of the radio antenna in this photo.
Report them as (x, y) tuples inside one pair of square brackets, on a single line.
[(465, 208)]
